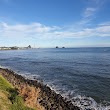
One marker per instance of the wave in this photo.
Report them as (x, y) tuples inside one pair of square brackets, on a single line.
[(81, 101), (36, 62), (88, 103)]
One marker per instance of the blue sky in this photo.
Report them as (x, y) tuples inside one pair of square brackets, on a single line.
[(48, 23)]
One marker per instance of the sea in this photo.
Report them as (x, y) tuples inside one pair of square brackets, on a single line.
[(81, 75)]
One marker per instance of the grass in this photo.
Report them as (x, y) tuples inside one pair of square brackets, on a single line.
[(9, 97), (4, 84)]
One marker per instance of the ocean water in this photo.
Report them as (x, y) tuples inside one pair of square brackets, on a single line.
[(82, 75)]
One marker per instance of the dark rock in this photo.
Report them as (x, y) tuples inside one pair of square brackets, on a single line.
[(57, 47)]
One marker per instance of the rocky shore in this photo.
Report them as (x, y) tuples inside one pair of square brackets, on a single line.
[(36, 94)]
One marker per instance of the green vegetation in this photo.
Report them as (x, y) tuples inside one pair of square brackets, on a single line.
[(9, 97)]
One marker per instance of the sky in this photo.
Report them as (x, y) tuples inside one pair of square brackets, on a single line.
[(51, 23)]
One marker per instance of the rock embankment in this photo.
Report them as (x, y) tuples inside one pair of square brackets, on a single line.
[(36, 94)]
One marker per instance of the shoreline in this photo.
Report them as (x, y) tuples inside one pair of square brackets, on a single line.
[(46, 99)]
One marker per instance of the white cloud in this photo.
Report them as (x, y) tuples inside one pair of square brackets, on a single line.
[(89, 11), (103, 29), (18, 31), (105, 24), (34, 27), (37, 30)]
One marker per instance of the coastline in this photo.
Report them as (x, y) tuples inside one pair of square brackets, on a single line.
[(37, 94)]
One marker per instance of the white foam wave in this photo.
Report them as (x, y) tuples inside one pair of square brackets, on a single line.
[(28, 75), (83, 102), (88, 103)]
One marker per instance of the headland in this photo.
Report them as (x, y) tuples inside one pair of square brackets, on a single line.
[(35, 94)]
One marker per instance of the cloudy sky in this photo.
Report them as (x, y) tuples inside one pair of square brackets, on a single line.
[(48, 23)]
